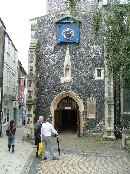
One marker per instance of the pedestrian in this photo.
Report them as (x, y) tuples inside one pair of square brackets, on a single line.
[(46, 131), (11, 135), (37, 133)]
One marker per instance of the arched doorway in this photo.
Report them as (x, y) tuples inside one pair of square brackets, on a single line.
[(77, 111), (67, 116)]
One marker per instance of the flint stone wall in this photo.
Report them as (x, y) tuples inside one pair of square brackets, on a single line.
[(84, 57), (54, 6)]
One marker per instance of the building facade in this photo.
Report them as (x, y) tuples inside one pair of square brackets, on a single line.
[(67, 76), (22, 91), (2, 40), (9, 76), (13, 83)]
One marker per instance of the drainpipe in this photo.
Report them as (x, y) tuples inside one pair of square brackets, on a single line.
[(1, 111), (1, 89)]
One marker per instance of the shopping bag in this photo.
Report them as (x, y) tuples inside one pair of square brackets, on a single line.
[(40, 149)]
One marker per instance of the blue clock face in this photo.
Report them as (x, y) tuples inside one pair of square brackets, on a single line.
[(68, 33)]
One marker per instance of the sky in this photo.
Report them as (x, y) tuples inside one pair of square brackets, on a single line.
[(16, 15)]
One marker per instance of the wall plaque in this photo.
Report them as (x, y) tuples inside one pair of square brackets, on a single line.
[(91, 108)]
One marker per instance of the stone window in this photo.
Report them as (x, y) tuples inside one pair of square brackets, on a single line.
[(67, 72), (99, 74)]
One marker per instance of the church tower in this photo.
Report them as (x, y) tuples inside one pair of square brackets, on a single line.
[(67, 77), (56, 6)]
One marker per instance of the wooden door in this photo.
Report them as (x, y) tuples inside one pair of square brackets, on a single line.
[(78, 124), (56, 120)]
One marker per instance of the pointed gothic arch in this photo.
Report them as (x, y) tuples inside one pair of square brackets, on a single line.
[(58, 98)]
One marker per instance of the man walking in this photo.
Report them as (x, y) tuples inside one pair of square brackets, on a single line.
[(37, 133), (46, 131)]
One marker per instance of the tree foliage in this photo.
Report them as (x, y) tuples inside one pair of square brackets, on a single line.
[(116, 38), (71, 4), (112, 27)]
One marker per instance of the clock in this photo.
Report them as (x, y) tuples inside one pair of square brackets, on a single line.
[(68, 30), (68, 33)]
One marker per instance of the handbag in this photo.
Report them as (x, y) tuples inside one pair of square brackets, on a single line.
[(8, 132), (40, 149)]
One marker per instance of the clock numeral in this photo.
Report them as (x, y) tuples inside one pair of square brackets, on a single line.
[(68, 33)]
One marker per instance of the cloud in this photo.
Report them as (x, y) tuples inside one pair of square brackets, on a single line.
[(16, 15)]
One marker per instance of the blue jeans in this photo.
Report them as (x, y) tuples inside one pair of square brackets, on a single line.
[(11, 139), (47, 143)]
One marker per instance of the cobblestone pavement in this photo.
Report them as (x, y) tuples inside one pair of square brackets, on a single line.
[(81, 155), (13, 163), (79, 164), (85, 155)]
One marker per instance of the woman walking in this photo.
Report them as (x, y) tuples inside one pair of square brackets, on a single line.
[(11, 135)]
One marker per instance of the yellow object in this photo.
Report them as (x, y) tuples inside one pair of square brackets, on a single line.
[(40, 149)]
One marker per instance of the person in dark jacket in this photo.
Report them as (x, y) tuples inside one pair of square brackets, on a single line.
[(37, 133), (11, 135)]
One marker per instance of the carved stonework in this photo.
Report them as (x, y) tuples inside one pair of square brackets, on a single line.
[(91, 108), (31, 82), (67, 68), (109, 107)]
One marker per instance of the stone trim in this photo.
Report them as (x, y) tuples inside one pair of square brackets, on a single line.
[(67, 68), (102, 74), (76, 98)]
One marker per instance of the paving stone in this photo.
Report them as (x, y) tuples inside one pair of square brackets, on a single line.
[(94, 159)]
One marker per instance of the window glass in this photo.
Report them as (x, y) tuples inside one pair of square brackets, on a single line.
[(99, 73)]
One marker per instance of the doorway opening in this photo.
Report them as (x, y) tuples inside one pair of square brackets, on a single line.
[(68, 120), (67, 116)]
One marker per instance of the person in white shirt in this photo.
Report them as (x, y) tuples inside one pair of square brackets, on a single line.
[(46, 131)]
